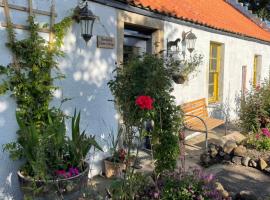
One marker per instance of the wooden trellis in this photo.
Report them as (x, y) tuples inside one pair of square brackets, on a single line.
[(7, 7)]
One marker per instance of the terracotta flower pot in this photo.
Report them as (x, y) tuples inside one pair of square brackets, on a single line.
[(113, 169), (69, 188)]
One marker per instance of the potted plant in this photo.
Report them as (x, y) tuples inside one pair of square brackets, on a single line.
[(181, 69), (54, 163), (118, 159)]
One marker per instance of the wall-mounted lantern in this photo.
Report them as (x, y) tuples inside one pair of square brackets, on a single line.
[(188, 42), (86, 18), (181, 66)]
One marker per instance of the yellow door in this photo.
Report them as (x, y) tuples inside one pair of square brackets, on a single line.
[(214, 72)]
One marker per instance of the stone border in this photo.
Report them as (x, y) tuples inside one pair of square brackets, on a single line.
[(230, 152)]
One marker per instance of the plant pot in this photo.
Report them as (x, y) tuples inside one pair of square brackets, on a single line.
[(179, 78), (68, 188), (113, 169)]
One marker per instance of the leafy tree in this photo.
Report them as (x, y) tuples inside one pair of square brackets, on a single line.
[(259, 7)]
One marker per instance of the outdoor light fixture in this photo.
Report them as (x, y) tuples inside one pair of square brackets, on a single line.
[(188, 42), (86, 19)]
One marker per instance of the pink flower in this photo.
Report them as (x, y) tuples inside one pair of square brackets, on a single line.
[(257, 136), (266, 132)]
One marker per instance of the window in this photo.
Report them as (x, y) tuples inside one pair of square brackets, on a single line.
[(255, 71), (137, 41), (214, 72)]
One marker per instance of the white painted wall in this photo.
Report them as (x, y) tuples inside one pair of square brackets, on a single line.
[(237, 53), (88, 69)]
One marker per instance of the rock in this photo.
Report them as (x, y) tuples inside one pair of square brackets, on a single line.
[(245, 195), (240, 151), (235, 136), (227, 157), (267, 170), (219, 187), (252, 163), (245, 161), (262, 164), (219, 142), (213, 153), (221, 153), (237, 160), (205, 158), (229, 146)]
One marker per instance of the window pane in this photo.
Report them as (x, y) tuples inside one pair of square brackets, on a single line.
[(211, 78), (214, 51), (211, 91), (213, 65)]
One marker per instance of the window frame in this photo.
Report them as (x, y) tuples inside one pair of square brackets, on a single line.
[(217, 71)]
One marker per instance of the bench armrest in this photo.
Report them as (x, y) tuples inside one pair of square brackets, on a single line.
[(206, 129), (190, 115)]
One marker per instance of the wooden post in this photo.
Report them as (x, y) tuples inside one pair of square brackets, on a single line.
[(52, 22), (6, 10), (30, 7)]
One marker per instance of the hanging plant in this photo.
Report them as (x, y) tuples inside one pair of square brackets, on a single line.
[(182, 69)]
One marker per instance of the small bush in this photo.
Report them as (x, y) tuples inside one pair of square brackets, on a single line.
[(254, 112), (189, 186), (260, 141)]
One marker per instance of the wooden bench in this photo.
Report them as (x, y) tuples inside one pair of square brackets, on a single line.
[(196, 118)]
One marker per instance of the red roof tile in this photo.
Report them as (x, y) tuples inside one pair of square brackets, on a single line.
[(212, 13)]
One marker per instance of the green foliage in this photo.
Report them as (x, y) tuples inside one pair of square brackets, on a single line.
[(260, 7), (29, 79), (259, 142), (147, 75), (254, 112), (42, 141), (80, 144), (128, 189), (186, 67)]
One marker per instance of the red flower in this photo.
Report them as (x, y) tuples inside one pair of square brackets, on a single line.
[(145, 102), (122, 154)]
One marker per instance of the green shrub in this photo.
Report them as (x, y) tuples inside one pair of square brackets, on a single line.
[(254, 112), (148, 75), (260, 141)]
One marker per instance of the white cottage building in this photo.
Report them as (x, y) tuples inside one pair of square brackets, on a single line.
[(235, 45)]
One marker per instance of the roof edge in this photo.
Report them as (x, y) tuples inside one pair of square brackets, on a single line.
[(247, 13), (122, 5)]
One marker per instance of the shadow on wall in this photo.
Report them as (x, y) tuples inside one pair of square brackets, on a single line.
[(87, 70)]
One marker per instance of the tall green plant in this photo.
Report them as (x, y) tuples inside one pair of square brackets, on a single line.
[(80, 144), (147, 75)]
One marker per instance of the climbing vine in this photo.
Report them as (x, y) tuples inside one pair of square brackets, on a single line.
[(29, 79)]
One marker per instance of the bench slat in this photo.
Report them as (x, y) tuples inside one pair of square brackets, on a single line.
[(199, 108)]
